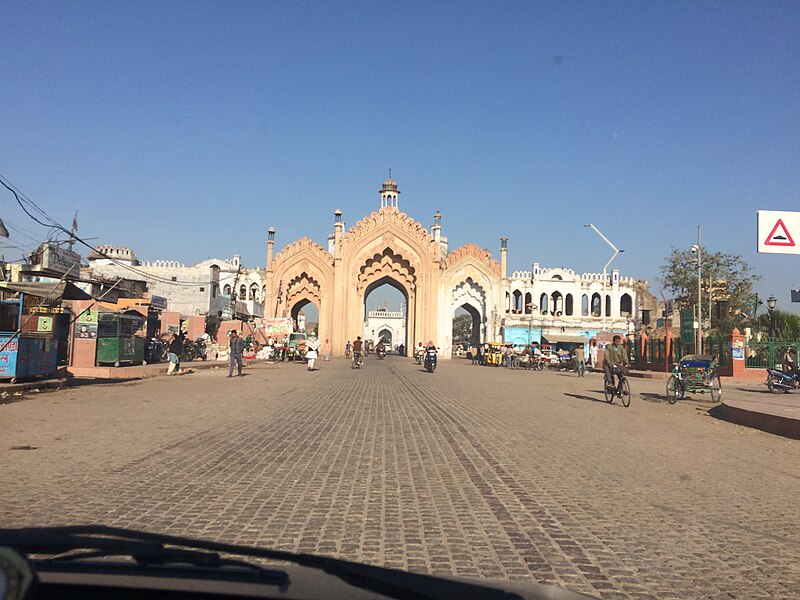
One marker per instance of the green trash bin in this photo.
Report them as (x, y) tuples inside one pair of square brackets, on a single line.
[(117, 342)]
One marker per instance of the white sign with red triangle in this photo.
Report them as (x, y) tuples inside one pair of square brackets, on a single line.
[(779, 232)]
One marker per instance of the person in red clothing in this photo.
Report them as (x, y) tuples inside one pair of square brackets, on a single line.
[(358, 346)]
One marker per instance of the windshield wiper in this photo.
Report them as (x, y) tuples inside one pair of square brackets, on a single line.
[(151, 548), (61, 544)]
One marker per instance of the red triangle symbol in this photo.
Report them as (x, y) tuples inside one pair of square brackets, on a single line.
[(782, 238)]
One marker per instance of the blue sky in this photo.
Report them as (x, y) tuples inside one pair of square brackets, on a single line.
[(185, 129)]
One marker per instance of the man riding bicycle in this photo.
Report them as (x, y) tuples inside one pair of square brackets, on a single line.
[(357, 347), (614, 358)]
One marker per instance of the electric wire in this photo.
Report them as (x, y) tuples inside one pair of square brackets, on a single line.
[(55, 225)]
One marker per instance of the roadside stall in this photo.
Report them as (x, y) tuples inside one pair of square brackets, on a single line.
[(27, 345), (117, 339)]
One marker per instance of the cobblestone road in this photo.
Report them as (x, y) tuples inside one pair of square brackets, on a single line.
[(473, 471)]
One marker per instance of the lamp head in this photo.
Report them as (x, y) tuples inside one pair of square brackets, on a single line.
[(771, 302)]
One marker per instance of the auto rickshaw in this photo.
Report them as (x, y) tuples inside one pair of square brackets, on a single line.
[(494, 353)]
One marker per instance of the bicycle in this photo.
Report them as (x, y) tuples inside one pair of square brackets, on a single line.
[(622, 389), (358, 361)]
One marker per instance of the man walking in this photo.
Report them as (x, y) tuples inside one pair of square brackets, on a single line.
[(175, 351), (236, 350)]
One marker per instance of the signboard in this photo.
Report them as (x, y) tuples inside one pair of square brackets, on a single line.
[(277, 328), (778, 232), (687, 325), (45, 324), (227, 311), (158, 302), (87, 325), (51, 259)]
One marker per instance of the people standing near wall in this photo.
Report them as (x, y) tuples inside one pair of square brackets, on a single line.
[(326, 350), (236, 349)]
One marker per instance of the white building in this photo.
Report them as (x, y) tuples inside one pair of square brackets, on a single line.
[(386, 325), (214, 287), (558, 305)]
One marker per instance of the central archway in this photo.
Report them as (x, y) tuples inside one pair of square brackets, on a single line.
[(389, 322)]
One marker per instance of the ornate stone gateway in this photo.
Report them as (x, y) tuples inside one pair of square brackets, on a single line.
[(390, 247)]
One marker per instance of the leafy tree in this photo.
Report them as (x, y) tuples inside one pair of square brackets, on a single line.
[(462, 328), (728, 276), (787, 325)]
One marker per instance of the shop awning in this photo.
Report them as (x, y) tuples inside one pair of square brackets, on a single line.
[(63, 290), (554, 339)]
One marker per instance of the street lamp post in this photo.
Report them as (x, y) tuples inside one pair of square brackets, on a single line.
[(603, 303), (772, 301)]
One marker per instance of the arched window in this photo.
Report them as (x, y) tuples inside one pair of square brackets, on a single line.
[(528, 303), (584, 305), (254, 292), (568, 305), (543, 303), (626, 305), (508, 302), (517, 301), (558, 303), (226, 291), (242, 292), (608, 305), (596, 305)]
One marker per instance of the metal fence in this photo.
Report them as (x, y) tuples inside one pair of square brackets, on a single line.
[(655, 350), (767, 354)]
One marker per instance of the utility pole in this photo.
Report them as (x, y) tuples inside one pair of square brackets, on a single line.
[(698, 343)]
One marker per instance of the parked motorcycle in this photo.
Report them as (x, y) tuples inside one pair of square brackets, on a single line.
[(154, 351), (430, 359), (779, 382), (200, 347)]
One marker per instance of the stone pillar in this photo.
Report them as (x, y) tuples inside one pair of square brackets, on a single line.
[(270, 246), (642, 358), (338, 230), (503, 256), (737, 349)]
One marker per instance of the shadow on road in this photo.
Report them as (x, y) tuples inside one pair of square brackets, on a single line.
[(601, 399)]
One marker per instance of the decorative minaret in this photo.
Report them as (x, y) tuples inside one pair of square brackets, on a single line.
[(270, 245), (437, 227), (503, 256), (389, 192), (338, 230)]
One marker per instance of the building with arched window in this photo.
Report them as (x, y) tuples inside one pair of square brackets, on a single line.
[(574, 307)]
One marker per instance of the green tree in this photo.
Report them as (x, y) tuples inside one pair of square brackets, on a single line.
[(787, 325), (462, 328), (727, 276)]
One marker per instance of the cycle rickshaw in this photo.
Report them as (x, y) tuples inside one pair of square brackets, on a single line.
[(694, 373)]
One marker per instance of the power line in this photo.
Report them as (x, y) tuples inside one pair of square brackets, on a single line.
[(18, 195)]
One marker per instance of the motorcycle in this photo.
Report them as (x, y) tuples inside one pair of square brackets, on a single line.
[(418, 353), (430, 359), (155, 351), (200, 347), (382, 353), (779, 382)]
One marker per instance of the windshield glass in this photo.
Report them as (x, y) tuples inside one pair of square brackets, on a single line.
[(503, 291)]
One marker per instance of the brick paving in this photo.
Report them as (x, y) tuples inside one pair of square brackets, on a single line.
[(472, 471)]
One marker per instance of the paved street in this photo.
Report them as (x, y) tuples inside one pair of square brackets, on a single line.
[(473, 471)]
